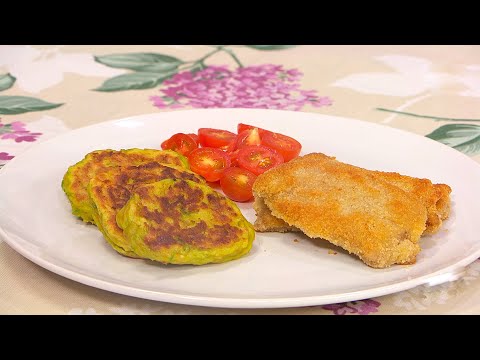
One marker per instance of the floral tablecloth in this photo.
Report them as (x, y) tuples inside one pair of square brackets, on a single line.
[(45, 91)]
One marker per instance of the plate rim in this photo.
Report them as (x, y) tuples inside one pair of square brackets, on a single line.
[(235, 302), (162, 113), (247, 303)]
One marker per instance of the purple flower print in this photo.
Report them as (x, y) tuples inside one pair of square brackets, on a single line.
[(4, 157), (368, 306), (264, 86), (16, 131), (362, 307), (340, 309)]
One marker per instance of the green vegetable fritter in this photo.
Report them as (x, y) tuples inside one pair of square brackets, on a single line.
[(178, 221)]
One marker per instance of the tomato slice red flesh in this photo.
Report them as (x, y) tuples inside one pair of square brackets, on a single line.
[(285, 145), (215, 138), (209, 162), (194, 137), (245, 138), (242, 127), (258, 159), (181, 143), (236, 183), (249, 153)]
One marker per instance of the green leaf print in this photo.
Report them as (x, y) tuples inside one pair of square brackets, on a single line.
[(159, 67), (463, 137), (140, 61), (137, 80), (10, 105), (270, 47), (6, 81), (151, 69)]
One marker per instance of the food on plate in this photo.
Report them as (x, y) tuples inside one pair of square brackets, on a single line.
[(148, 204), (194, 137), (77, 177), (110, 189), (436, 197), (253, 149), (241, 127), (266, 222), (178, 221), (209, 163), (258, 159), (216, 138), (286, 146), (158, 204), (181, 143), (236, 183), (379, 221), (249, 137)]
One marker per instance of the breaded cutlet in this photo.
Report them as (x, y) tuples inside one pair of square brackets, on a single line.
[(266, 222), (347, 206), (436, 198)]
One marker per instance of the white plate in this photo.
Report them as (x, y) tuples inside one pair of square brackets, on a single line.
[(35, 216)]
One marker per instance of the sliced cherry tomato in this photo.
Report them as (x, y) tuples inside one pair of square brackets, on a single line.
[(209, 162), (236, 183), (233, 157), (230, 147), (288, 147), (215, 138), (194, 137), (258, 159), (245, 138), (181, 143), (242, 127)]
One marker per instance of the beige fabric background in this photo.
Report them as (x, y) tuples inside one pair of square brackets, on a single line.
[(451, 89)]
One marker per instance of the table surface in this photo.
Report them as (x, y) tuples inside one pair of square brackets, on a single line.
[(416, 88)]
